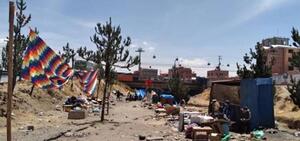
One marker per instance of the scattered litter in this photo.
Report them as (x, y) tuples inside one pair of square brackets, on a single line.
[(30, 127), (272, 131), (258, 134), (57, 108), (96, 110), (297, 134), (41, 113), (155, 139), (141, 137)]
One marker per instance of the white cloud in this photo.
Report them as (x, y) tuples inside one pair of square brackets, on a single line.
[(145, 43), (147, 46), (260, 7), (195, 62), (151, 48)]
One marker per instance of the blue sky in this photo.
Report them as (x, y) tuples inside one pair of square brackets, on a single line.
[(196, 31)]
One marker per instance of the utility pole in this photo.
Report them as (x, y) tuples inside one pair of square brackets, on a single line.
[(219, 65), (10, 69), (140, 50)]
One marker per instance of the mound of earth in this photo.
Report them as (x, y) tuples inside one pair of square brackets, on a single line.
[(201, 99), (285, 110), (42, 103)]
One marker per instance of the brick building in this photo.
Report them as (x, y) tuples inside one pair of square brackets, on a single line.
[(279, 54), (217, 74), (163, 76), (185, 74), (147, 74)]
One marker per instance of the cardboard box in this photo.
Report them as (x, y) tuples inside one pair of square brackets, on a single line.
[(215, 137), (77, 114)]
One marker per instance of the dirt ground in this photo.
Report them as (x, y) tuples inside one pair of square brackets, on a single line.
[(126, 122)]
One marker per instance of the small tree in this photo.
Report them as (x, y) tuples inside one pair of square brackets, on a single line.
[(176, 86), (294, 87), (20, 41), (111, 49), (68, 55), (112, 79), (258, 65), (295, 61)]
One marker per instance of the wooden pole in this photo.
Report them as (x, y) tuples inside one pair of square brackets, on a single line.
[(10, 69), (99, 82)]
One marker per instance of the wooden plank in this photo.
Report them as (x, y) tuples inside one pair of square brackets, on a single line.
[(10, 69)]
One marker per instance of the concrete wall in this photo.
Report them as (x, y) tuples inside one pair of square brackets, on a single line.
[(280, 80)]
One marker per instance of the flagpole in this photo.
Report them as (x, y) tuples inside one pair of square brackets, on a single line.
[(10, 69)]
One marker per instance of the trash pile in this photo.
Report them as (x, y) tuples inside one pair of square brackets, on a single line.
[(77, 107), (214, 125)]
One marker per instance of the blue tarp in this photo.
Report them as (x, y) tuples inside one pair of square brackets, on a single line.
[(167, 96), (141, 93), (257, 95)]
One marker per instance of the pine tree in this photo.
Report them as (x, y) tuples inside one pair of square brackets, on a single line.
[(295, 61), (294, 87), (258, 65), (68, 55), (111, 50), (20, 41)]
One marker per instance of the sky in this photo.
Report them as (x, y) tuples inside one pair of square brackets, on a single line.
[(195, 31)]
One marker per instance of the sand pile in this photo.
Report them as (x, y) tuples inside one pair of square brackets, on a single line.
[(201, 99)]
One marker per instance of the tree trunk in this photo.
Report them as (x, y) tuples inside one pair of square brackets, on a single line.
[(14, 80), (1, 72), (72, 83), (103, 101), (98, 87), (107, 71), (20, 76), (32, 88), (107, 109)]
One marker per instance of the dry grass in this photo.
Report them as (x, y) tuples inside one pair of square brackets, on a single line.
[(285, 110)]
